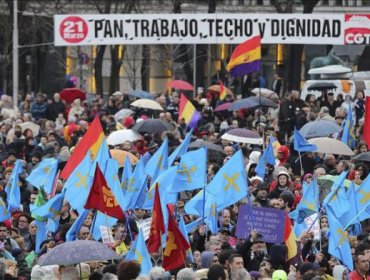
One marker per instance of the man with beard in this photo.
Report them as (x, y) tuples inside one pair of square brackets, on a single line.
[(261, 194)]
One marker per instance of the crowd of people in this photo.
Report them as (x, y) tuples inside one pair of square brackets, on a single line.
[(218, 256)]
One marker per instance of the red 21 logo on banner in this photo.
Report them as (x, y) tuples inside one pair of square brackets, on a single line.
[(73, 29)]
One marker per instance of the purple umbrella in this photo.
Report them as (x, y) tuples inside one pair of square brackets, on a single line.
[(78, 251), (223, 107), (241, 135)]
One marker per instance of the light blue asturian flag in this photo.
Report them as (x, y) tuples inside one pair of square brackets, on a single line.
[(43, 174), (78, 184), (126, 174), (41, 234), (4, 214), (102, 220), (101, 158), (111, 176), (362, 196), (338, 240), (191, 172), (136, 187), (267, 157), (193, 225), (352, 216), (163, 181), (348, 135), (139, 253), (181, 149), (308, 205), (12, 188), (158, 163), (301, 144), (74, 230), (196, 205), (229, 185), (185, 233), (212, 217), (336, 199), (51, 210)]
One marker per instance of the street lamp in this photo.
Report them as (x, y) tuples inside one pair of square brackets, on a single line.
[(15, 54)]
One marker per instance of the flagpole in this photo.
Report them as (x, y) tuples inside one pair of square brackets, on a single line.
[(314, 221), (354, 219), (128, 227), (93, 222), (300, 161)]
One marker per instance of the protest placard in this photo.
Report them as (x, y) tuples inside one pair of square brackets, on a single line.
[(268, 222)]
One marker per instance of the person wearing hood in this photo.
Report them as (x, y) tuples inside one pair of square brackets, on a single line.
[(207, 258), (283, 155), (282, 184)]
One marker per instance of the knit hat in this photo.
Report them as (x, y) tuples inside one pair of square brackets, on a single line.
[(287, 196)]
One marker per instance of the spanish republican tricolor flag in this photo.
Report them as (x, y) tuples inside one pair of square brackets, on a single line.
[(246, 58), (290, 239), (91, 140), (223, 91), (188, 112)]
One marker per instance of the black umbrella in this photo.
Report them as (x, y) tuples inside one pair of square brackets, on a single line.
[(251, 102), (362, 157), (322, 86), (214, 152), (150, 126)]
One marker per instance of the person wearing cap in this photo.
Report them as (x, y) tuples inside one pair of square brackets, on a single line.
[(253, 251), (282, 184), (224, 235), (261, 194)]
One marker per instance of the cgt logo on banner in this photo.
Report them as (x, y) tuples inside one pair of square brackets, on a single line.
[(357, 29)]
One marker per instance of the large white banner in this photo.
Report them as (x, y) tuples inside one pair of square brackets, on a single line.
[(113, 29)]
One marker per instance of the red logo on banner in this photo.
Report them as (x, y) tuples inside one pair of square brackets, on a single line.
[(357, 29), (73, 29)]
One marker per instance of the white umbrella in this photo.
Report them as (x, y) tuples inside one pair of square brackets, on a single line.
[(147, 103), (121, 136), (331, 146), (265, 92)]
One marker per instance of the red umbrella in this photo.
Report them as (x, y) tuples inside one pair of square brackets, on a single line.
[(223, 107), (178, 84), (70, 94)]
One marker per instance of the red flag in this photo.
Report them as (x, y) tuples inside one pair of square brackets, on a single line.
[(91, 140), (174, 254), (102, 198), (367, 122), (157, 224)]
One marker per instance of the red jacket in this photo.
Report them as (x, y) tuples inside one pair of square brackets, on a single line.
[(354, 275)]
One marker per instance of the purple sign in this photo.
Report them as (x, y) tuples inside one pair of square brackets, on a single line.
[(268, 222)]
